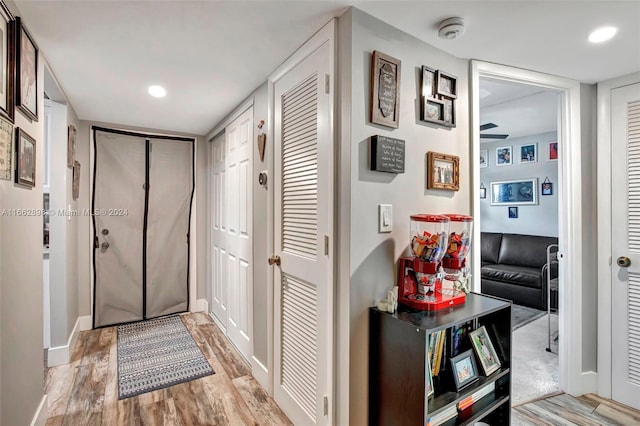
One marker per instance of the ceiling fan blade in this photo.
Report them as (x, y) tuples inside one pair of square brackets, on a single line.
[(493, 136), (488, 126)]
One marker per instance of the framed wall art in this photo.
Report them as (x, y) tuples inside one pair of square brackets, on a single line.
[(443, 171), (433, 111), (484, 349), (517, 192), (26, 72), (385, 90), (528, 153), (7, 62), (25, 159), (552, 154), (503, 156), (484, 158), (428, 82), (513, 212), (483, 191), (449, 111), (447, 84), (71, 146), (547, 187), (6, 148), (76, 180)]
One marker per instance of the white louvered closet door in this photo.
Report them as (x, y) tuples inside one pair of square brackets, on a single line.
[(303, 204), (625, 180)]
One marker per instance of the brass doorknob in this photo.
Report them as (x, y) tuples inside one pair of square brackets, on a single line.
[(274, 260), (624, 262)]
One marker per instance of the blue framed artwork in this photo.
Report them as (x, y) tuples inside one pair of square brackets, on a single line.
[(516, 192), (513, 212)]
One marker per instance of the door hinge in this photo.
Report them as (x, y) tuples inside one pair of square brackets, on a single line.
[(326, 245), (326, 83), (326, 405)]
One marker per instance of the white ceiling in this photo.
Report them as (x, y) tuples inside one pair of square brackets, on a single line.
[(210, 55)]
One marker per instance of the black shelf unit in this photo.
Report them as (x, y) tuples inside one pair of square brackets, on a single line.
[(397, 364)]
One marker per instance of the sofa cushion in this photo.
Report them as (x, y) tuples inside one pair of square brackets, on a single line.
[(525, 250), (490, 246), (520, 275)]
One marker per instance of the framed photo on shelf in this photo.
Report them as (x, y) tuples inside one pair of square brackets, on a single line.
[(484, 158), (8, 63), (443, 171), (552, 154), (447, 84), (513, 212), (484, 350), (514, 192), (71, 146), (385, 90), (464, 369), (529, 153), (26, 72), (428, 380), (25, 159), (6, 148), (503, 156)]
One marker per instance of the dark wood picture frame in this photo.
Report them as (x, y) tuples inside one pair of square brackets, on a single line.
[(428, 82), (25, 159), (26, 72), (446, 84), (464, 361), (71, 145), (546, 188), (6, 148), (449, 112), (433, 111), (443, 171), (385, 90), (75, 188), (7, 63)]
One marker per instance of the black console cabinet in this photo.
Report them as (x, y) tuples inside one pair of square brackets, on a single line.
[(397, 362)]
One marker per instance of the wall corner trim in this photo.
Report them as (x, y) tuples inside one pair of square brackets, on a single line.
[(589, 382), (261, 374), (201, 306), (40, 416), (60, 355)]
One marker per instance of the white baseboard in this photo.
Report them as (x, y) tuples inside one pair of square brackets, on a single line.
[(589, 382), (60, 355), (260, 373), (40, 417), (201, 306)]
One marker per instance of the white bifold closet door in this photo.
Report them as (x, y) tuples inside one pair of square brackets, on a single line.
[(141, 207)]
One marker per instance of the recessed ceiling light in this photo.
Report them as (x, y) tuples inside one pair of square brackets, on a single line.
[(602, 34), (157, 91)]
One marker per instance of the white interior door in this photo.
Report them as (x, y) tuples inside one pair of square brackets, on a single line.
[(625, 282), (219, 284), (303, 223)]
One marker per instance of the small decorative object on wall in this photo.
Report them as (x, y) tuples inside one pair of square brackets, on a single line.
[(443, 171), (387, 154), (513, 212), (518, 192), (484, 158), (553, 151), (485, 351), (6, 148), (25, 159), (547, 187), (447, 84), (464, 369), (529, 153), (385, 90), (483, 191), (503, 156), (26, 72), (71, 145), (76, 180), (439, 91), (7, 63)]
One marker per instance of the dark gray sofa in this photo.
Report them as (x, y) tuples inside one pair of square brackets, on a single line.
[(512, 267)]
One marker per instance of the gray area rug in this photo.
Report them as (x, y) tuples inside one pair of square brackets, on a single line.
[(156, 354), (523, 315)]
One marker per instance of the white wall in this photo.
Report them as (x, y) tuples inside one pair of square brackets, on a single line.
[(541, 219), (372, 255)]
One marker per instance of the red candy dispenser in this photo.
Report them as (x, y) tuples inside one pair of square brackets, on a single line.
[(458, 245), (419, 276)]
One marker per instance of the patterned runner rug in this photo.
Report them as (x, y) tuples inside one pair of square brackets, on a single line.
[(156, 354)]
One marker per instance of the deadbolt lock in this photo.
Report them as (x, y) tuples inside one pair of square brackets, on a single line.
[(105, 232), (274, 260), (624, 262)]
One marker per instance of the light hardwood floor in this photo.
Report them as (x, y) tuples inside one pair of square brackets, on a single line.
[(563, 409), (84, 392)]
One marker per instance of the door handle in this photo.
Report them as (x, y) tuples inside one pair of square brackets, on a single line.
[(624, 262), (104, 246), (274, 260)]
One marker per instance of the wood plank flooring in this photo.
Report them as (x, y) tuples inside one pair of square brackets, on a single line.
[(563, 409), (85, 391)]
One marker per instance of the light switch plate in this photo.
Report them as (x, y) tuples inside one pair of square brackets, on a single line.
[(385, 218)]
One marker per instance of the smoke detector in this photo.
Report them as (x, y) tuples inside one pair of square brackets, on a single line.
[(451, 28)]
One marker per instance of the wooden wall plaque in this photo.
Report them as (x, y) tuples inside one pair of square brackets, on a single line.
[(387, 154), (385, 90)]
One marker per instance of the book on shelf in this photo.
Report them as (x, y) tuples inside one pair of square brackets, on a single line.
[(476, 396), (439, 352), (442, 416)]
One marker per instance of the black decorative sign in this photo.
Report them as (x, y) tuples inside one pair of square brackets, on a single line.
[(387, 154)]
